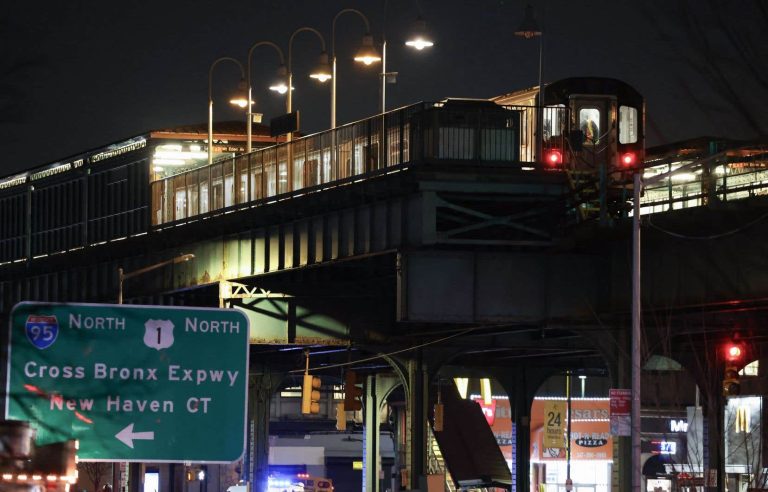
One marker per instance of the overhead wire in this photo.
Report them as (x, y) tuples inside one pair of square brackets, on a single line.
[(395, 352), (709, 237)]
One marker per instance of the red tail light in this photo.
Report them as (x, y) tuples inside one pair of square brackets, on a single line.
[(553, 157), (628, 159)]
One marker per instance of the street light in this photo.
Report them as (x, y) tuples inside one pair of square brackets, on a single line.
[(122, 276), (367, 54), (241, 100), (419, 39), (281, 83), (321, 72), (528, 29)]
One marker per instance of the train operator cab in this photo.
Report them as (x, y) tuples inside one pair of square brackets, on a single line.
[(586, 122), (593, 129)]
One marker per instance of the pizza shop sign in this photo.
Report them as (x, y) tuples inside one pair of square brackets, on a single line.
[(590, 439)]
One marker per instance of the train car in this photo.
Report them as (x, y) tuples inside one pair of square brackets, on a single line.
[(585, 122)]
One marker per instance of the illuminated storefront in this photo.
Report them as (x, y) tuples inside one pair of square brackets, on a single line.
[(591, 448)]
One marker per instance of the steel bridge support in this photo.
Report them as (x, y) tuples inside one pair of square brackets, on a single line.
[(416, 419), (256, 464), (377, 387)]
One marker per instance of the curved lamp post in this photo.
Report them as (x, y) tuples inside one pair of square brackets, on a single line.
[(418, 40), (321, 72), (367, 54), (528, 29), (282, 72), (240, 100)]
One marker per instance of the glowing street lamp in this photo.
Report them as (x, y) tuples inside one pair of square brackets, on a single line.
[(321, 72), (282, 72), (367, 54), (419, 40)]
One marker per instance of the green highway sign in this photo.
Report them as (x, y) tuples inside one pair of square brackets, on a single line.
[(131, 383)]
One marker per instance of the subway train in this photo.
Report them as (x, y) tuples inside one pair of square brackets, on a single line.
[(147, 183)]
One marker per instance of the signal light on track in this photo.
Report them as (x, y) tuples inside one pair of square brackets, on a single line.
[(352, 393), (310, 395), (553, 157), (628, 159)]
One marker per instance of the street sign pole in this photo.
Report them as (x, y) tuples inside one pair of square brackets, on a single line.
[(131, 383)]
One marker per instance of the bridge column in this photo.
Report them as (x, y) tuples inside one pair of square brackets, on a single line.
[(621, 377), (521, 384), (714, 443), (256, 464), (416, 440), (371, 455), (377, 387)]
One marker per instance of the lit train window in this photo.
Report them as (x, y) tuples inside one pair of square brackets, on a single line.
[(589, 123), (628, 124), (554, 122)]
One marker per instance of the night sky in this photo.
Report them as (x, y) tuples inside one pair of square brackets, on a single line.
[(76, 75)]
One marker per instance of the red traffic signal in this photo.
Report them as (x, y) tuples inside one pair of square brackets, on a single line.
[(734, 352)]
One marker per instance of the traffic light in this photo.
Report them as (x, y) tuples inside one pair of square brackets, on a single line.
[(310, 394), (734, 355), (352, 393)]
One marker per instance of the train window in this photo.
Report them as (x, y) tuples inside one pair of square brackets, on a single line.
[(589, 123), (553, 119), (628, 124)]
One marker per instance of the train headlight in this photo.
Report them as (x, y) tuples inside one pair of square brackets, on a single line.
[(553, 157)]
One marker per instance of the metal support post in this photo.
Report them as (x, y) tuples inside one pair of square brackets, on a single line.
[(522, 423), (636, 333), (256, 465), (417, 410), (715, 441), (371, 456)]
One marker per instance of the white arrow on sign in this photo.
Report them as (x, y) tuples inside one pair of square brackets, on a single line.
[(126, 436)]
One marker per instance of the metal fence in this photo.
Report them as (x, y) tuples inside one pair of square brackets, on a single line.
[(425, 132)]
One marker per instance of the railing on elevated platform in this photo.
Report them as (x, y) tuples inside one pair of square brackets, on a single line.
[(450, 131), (736, 174)]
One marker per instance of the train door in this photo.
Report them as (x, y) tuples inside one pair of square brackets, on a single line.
[(595, 116)]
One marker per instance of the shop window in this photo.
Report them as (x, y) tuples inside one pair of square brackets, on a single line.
[(751, 369), (291, 392)]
